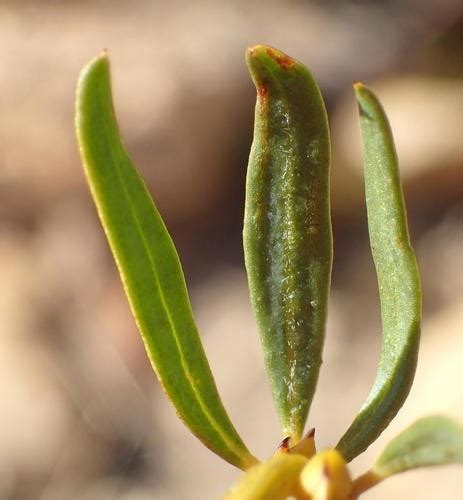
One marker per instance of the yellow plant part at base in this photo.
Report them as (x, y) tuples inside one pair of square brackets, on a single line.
[(326, 477), (290, 476)]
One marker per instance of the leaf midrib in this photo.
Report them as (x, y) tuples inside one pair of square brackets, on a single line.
[(153, 270)]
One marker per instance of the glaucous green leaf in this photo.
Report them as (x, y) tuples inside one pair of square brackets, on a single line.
[(398, 279), (150, 269), (275, 479), (429, 441), (432, 440), (287, 229)]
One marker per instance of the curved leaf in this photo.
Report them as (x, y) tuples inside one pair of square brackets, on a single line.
[(287, 229), (274, 479), (398, 279), (150, 269)]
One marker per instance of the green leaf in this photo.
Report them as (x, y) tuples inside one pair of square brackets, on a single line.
[(287, 229), (277, 478), (398, 279), (432, 440), (150, 269), (429, 441)]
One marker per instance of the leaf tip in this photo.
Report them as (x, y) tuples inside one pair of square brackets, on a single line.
[(366, 99), (360, 90), (265, 52), (96, 70), (97, 64)]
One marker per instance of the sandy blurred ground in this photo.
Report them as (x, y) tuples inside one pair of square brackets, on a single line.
[(81, 414)]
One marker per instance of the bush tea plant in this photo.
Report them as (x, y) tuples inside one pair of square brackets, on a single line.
[(288, 254)]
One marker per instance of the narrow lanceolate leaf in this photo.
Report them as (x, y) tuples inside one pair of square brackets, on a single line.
[(430, 441), (150, 269), (287, 229), (398, 279), (275, 479)]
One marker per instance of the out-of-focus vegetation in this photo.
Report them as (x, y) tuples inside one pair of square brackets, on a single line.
[(82, 417)]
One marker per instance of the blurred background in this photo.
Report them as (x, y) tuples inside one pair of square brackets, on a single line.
[(82, 416)]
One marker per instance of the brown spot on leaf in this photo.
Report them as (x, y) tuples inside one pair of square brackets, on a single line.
[(283, 60), (262, 90)]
